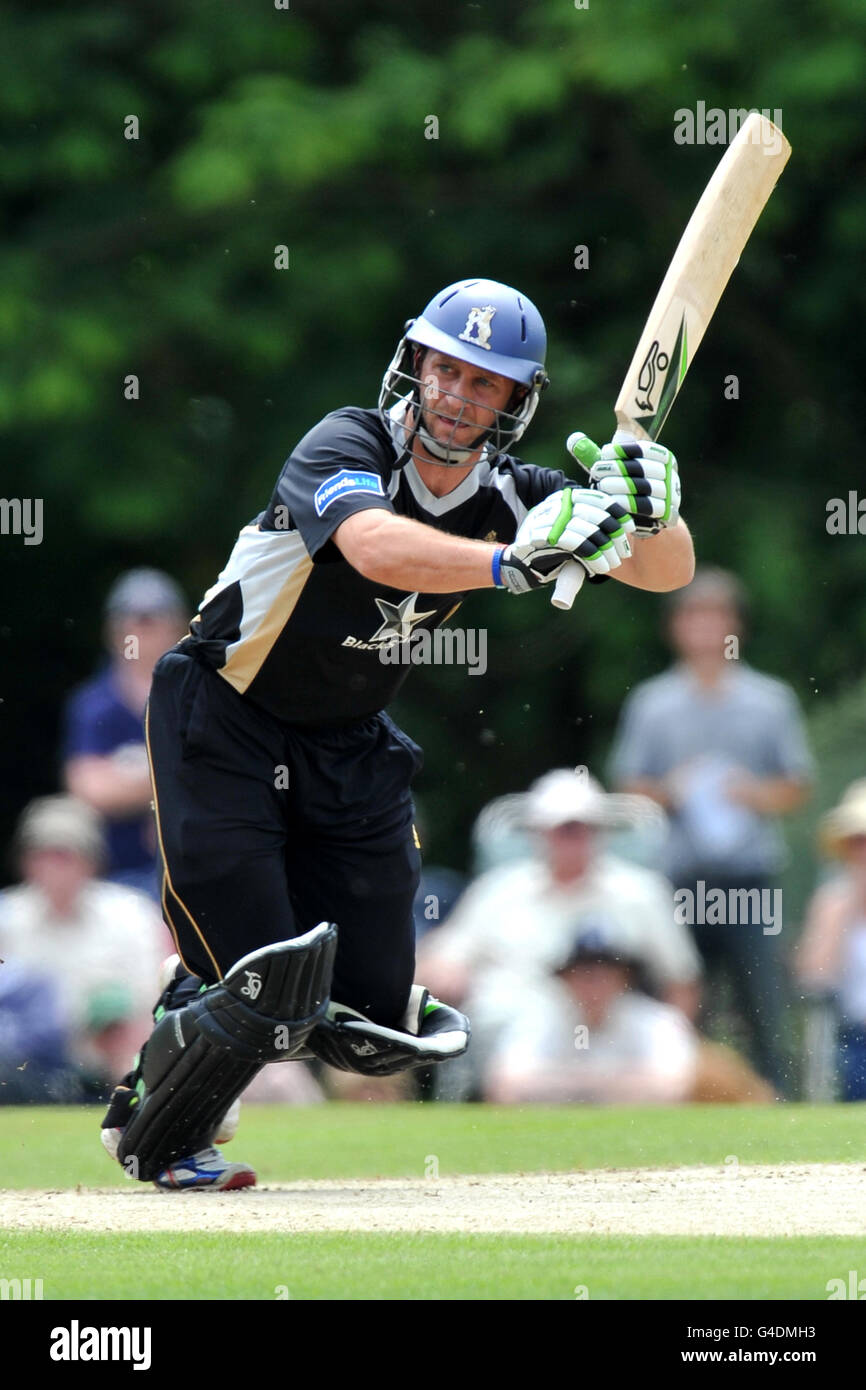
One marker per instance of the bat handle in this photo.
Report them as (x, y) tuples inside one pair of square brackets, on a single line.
[(568, 585), (624, 437)]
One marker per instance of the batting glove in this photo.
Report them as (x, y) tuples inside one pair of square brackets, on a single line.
[(644, 478), (573, 524)]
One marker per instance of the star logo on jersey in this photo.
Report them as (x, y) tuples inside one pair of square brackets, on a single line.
[(399, 619)]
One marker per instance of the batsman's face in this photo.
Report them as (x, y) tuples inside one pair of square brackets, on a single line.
[(460, 400)]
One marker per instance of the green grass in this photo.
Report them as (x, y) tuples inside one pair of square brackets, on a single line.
[(59, 1148), (427, 1267)]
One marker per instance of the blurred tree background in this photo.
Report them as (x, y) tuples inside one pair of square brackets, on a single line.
[(307, 127)]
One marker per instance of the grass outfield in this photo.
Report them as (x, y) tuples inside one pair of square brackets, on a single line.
[(426, 1267), (59, 1149)]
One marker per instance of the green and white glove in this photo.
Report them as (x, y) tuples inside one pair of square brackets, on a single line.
[(639, 474), (573, 524)]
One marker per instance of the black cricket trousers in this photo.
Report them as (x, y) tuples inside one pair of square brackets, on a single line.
[(267, 828)]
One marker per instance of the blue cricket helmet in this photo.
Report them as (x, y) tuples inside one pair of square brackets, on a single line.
[(488, 324)]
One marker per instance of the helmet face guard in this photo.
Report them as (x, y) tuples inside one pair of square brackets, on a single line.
[(488, 325)]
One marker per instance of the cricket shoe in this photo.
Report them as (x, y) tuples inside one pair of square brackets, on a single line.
[(205, 1170)]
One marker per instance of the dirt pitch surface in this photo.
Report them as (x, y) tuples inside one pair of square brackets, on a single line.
[(763, 1200)]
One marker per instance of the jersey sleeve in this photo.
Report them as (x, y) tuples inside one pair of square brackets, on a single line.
[(534, 484), (340, 467)]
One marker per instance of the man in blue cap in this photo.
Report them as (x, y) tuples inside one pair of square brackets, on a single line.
[(104, 755), (281, 786)]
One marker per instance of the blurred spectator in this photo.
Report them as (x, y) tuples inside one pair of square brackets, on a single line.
[(98, 943), (105, 759), (723, 749), (500, 834), (594, 1037), (34, 1065), (514, 924), (438, 889), (598, 1037), (438, 893), (832, 950)]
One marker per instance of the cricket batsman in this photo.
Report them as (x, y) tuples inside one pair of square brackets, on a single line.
[(281, 787)]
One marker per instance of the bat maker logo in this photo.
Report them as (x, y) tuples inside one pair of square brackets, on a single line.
[(655, 361), (253, 987), (667, 369)]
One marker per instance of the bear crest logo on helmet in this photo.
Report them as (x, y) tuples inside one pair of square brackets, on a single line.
[(478, 328)]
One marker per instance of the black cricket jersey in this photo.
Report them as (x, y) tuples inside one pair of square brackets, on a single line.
[(290, 624)]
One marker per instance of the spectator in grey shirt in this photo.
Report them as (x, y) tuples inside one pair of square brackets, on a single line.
[(722, 747)]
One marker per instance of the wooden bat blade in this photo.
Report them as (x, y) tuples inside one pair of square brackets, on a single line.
[(708, 251)]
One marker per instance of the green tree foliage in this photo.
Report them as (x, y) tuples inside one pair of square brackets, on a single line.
[(307, 127)]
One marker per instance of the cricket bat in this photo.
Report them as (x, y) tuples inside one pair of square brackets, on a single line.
[(709, 249)]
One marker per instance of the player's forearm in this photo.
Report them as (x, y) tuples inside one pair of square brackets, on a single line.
[(660, 563), (406, 554)]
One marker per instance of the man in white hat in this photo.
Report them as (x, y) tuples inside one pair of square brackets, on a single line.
[(512, 927)]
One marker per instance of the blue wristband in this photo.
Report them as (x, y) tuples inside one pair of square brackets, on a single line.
[(496, 567)]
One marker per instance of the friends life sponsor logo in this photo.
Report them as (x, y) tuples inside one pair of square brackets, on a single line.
[(715, 126), (22, 516), (77, 1343), (343, 483), (735, 907)]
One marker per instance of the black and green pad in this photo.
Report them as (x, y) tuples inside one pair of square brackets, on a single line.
[(433, 1032), (199, 1058)]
